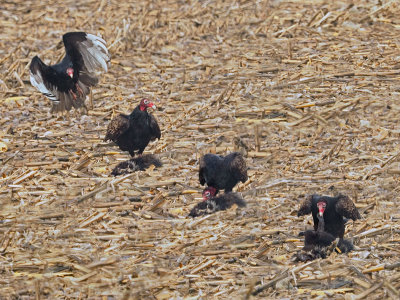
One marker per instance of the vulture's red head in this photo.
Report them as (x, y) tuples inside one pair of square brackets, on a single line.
[(145, 104), (321, 207), (70, 72), (209, 192)]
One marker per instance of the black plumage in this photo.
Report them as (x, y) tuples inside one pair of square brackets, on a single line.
[(67, 83), (222, 172), (134, 132), (319, 237), (333, 210), (213, 204), (139, 163), (344, 246), (316, 243)]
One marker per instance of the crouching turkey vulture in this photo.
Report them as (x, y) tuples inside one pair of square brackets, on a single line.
[(222, 172), (67, 83), (140, 163), (134, 132), (211, 204), (332, 209)]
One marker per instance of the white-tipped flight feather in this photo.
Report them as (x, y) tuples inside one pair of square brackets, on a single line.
[(37, 81), (94, 53)]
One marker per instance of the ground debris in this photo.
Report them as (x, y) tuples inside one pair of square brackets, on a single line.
[(307, 90)]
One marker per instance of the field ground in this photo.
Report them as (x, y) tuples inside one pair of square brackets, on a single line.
[(310, 87)]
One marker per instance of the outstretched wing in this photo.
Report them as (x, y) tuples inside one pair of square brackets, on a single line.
[(155, 129), (87, 52), (346, 208), (41, 76), (238, 166), (305, 206), (117, 127)]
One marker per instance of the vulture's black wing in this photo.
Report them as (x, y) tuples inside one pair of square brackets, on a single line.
[(43, 78), (238, 166), (305, 206), (88, 52), (202, 169), (155, 129)]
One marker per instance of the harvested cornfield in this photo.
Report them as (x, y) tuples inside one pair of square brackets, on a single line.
[(308, 90)]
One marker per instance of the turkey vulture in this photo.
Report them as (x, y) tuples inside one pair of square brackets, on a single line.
[(222, 172), (140, 163), (332, 209), (67, 83), (212, 204), (134, 132)]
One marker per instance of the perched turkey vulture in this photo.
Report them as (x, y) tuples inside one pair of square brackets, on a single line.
[(67, 83), (222, 172), (140, 163), (212, 204), (134, 132), (332, 209)]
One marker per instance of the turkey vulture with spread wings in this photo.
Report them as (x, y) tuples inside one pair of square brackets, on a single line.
[(222, 172), (134, 132), (332, 209), (67, 83)]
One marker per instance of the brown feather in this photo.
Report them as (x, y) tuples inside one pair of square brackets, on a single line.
[(305, 207), (202, 166), (117, 126), (239, 166), (155, 128), (66, 102), (346, 208)]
